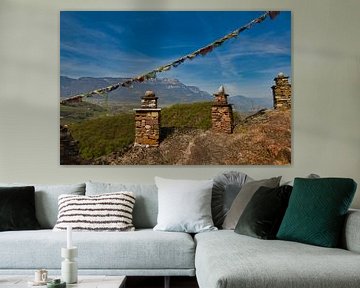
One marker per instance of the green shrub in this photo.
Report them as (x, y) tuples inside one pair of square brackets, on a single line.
[(192, 115), (104, 135)]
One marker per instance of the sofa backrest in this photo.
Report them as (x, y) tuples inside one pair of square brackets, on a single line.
[(46, 200), (351, 237), (146, 203)]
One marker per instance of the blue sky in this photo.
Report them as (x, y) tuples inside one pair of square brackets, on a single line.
[(131, 43)]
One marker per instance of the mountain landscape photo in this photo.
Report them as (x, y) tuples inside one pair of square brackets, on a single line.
[(226, 104)]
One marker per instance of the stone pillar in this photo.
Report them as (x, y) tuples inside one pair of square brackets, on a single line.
[(147, 121), (282, 92), (221, 113)]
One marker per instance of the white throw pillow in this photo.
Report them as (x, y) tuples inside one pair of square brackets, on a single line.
[(184, 205), (105, 212)]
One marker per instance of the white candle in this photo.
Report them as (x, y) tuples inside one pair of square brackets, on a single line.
[(69, 239)]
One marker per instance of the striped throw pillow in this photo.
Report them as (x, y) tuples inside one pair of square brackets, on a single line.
[(105, 212)]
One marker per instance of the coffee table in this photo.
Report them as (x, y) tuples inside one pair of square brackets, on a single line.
[(84, 281)]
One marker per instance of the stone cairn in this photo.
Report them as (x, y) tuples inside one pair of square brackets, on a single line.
[(147, 121), (282, 92), (69, 150), (221, 113)]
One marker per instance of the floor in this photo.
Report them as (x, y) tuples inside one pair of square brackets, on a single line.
[(158, 282)]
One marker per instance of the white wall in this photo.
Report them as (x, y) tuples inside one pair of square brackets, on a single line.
[(326, 89)]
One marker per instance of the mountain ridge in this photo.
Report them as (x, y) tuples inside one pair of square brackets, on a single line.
[(169, 91)]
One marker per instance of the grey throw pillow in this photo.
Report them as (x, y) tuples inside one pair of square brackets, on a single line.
[(184, 205), (226, 187), (242, 199)]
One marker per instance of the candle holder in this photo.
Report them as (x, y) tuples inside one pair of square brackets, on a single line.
[(69, 271)]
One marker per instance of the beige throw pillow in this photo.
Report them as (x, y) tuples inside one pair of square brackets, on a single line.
[(243, 198)]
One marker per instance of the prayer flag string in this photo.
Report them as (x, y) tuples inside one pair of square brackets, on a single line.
[(152, 74)]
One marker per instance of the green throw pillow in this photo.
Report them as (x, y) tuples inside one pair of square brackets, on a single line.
[(316, 211)]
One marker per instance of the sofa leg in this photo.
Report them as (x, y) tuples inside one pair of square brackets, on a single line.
[(167, 282)]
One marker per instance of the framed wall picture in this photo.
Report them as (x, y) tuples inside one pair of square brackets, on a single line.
[(175, 88)]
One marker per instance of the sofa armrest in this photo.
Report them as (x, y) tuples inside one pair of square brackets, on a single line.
[(351, 234)]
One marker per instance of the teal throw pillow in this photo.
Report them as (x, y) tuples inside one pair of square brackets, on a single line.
[(316, 211)]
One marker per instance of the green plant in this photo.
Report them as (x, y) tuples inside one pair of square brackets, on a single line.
[(104, 135)]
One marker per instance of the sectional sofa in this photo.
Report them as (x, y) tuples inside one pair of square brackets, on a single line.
[(218, 259)]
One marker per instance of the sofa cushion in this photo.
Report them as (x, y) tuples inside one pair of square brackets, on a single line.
[(184, 205), (317, 209), (137, 250), (146, 205), (263, 214), (225, 259), (46, 200), (105, 212), (226, 187), (350, 239), (243, 198), (17, 208)]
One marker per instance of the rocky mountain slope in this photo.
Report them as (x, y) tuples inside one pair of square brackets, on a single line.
[(261, 139)]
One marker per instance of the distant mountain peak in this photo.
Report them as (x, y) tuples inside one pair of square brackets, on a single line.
[(169, 91)]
